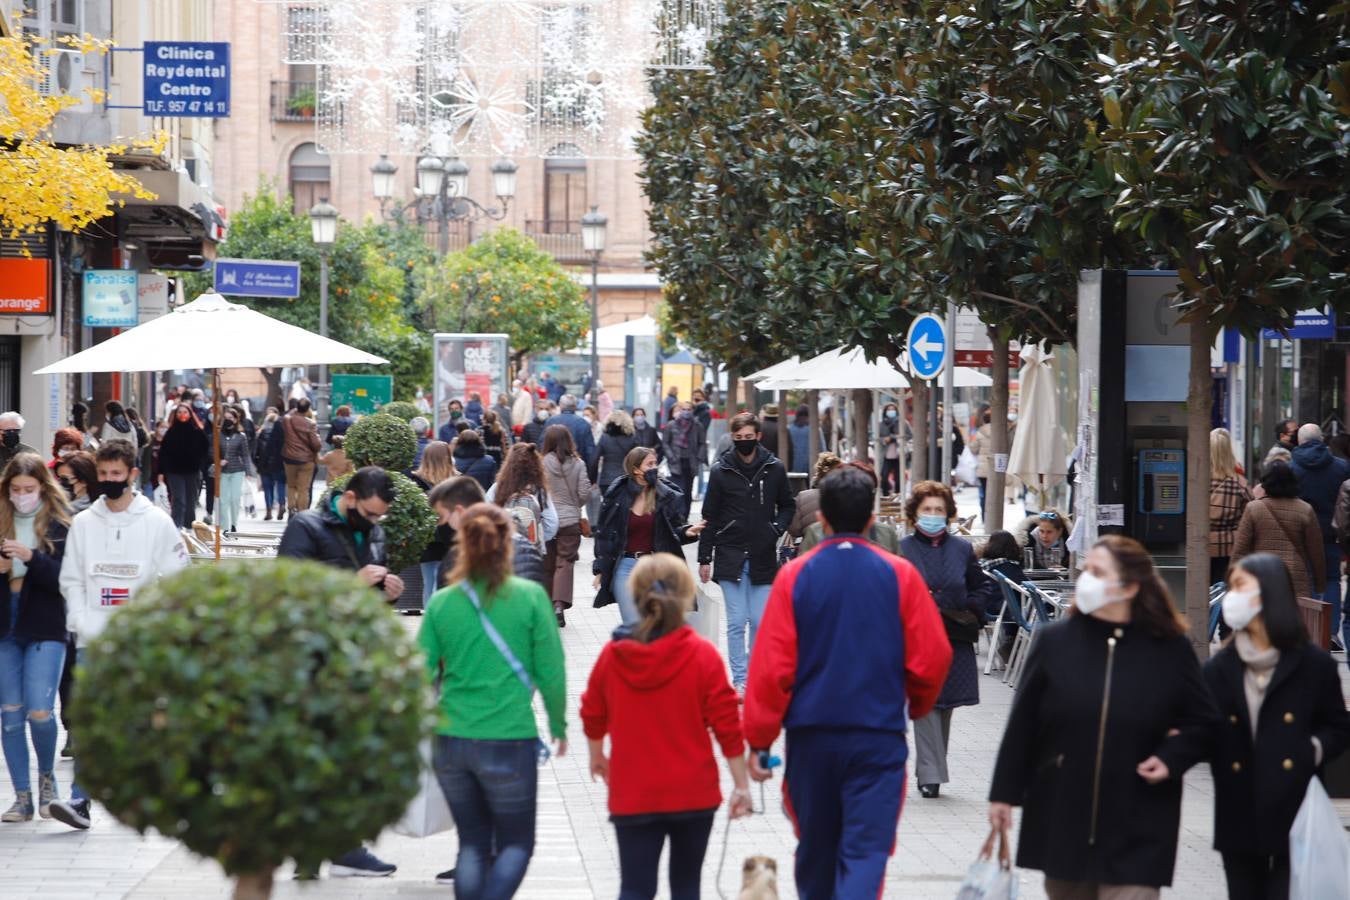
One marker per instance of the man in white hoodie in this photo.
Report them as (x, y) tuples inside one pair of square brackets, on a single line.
[(115, 547)]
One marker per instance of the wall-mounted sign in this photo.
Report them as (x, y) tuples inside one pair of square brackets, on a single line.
[(186, 78), (110, 298), (258, 278), (25, 287), (1309, 325), (152, 296)]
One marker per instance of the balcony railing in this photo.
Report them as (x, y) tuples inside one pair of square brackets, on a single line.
[(560, 239), (293, 101)]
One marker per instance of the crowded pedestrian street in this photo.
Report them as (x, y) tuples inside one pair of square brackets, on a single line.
[(575, 856)]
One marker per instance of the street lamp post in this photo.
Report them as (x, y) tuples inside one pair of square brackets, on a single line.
[(323, 219), (443, 193), (593, 226)]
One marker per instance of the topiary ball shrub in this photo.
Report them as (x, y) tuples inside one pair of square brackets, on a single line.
[(381, 440), (401, 409), (257, 712), (410, 525)]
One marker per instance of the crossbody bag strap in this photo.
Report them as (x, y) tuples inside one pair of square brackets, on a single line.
[(1280, 522), (497, 640)]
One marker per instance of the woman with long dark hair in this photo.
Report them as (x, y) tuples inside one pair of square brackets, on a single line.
[(1109, 691), (490, 639), (34, 517), (656, 691), (640, 515), (570, 490), (181, 455), (1281, 716)]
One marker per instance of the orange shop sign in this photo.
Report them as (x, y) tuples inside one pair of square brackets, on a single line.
[(25, 287)]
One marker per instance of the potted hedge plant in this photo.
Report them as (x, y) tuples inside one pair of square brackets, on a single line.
[(258, 713), (386, 441), (401, 409)]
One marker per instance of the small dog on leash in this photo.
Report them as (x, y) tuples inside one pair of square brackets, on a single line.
[(759, 879)]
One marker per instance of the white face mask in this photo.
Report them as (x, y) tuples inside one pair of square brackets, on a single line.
[(1090, 593), (25, 504), (1240, 607)]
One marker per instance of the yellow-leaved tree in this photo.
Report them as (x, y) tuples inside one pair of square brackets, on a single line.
[(42, 182)]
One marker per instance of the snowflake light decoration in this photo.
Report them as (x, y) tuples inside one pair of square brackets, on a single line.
[(491, 78)]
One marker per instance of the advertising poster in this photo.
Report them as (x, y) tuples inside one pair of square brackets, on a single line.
[(469, 363), (110, 298)]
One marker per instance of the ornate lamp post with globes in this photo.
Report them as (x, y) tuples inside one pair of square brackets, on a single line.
[(593, 226), (443, 193)]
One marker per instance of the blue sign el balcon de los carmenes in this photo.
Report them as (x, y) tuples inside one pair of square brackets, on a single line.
[(186, 78), (257, 278)]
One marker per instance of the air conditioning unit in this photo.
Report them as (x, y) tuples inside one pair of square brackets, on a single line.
[(63, 75)]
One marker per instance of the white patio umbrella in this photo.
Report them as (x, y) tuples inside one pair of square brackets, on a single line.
[(1039, 452), (770, 371), (211, 333), (846, 369)]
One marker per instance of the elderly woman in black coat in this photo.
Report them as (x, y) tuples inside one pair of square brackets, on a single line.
[(1109, 693), (960, 589), (1281, 716)]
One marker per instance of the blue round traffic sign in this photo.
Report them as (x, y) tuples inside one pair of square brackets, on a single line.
[(927, 344)]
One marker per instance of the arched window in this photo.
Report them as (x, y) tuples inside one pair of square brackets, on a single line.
[(564, 190), (310, 177)]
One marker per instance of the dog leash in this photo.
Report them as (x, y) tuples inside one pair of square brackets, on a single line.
[(770, 763)]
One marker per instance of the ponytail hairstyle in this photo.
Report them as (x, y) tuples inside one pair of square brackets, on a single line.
[(485, 548), (1152, 606), (662, 591)]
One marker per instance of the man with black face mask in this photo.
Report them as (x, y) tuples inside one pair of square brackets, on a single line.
[(122, 543), (11, 425), (344, 531), (747, 508)]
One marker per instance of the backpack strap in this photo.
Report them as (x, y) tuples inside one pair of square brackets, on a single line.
[(497, 640)]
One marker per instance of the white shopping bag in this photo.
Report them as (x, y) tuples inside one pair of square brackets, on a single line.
[(1319, 854), (966, 468), (162, 498), (707, 620), (428, 813), (989, 878)]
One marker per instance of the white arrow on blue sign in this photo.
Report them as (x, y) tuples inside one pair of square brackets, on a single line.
[(928, 348)]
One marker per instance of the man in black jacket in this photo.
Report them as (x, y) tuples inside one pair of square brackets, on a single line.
[(345, 532), (747, 508)]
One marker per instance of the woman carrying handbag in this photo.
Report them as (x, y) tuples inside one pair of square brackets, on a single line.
[(569, 489)]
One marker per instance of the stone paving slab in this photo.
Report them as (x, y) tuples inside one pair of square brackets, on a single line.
[(576, 855)]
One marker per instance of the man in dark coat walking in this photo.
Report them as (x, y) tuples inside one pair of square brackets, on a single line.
[(580, 428), (1320, 475), (748, 507)]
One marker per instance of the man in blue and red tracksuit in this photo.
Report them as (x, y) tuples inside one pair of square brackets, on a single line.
[(850, 648)]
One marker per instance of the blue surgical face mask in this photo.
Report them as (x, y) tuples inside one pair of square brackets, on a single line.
[(932, 525), (640, 421), (892, 414)]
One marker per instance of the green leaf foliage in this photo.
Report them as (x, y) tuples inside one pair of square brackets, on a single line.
[(410, 524), (258, 712), (503, 283), (382, 440), (401, 409)]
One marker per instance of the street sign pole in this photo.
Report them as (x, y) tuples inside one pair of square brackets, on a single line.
[(929, 347), (949, 402)]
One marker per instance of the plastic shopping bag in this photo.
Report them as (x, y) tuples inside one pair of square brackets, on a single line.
[(989, 878), (706, 619), (162, 498), (428, 813), (1319, 854), (965, 468)]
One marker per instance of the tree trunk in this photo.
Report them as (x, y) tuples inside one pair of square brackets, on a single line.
[(274, 395), (919, 430), (998, 427), (729, 399), (256, 886), (784, 449), (862, 420), (1198, 402), (813, 441)]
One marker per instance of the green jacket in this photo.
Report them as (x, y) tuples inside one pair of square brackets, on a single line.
[(480, 696), (883, 535)]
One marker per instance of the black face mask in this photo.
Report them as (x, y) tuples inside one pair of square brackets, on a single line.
[(358, 522), (228, 425), (11, 438), (69, 487), (746, 447), (113, 490)]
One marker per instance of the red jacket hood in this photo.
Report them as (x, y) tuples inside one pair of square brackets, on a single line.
[(648, 667)]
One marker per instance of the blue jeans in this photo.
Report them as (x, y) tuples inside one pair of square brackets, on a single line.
[(30, 672), (231, 493), (429, 570), (745, 604), (622, 595), (274, 489), (491, 787)]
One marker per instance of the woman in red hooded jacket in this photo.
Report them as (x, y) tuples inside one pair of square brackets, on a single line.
[(656, 690)]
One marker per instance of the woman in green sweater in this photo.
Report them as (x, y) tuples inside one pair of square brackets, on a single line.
[(491, 639)]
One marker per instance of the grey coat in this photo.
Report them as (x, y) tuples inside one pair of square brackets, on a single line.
[(568, 487)]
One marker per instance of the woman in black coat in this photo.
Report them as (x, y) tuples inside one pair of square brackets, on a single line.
[(640, 515), (1109, 691), (1281, 716), (616, 440), (472, 459), (948, 566), (181, 455)]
